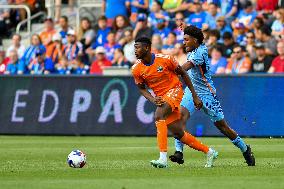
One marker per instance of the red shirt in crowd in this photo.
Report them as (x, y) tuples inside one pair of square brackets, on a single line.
[(266, 5), (97, 66), (278, 65)]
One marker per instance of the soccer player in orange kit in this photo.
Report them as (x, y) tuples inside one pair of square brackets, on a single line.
[(160, 73)]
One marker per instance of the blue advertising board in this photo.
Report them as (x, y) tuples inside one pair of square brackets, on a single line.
[(90, 105)]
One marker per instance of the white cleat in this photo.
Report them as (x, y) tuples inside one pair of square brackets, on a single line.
[(159, 163), (211, 156)]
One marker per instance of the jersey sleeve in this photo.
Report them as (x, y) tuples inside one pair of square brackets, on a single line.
[(136, 74), (196, 58)]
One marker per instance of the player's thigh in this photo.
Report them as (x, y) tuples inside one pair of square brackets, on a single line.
[(162, 112), (212, 107)]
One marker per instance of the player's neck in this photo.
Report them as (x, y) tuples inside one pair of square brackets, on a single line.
[(148, 58)]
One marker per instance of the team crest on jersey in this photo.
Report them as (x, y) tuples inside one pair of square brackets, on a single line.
[(160, 68)]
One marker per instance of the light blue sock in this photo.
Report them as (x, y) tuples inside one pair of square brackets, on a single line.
[(239, 142), (178, 145)]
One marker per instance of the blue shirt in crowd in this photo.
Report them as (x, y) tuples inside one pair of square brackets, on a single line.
[(115, 8)]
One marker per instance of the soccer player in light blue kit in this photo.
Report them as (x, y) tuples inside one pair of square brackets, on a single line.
[(198, 67)]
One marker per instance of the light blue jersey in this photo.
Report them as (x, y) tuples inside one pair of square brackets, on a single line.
[(200, 74), (201, 79)]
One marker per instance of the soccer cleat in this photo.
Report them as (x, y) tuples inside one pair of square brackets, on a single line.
[(210, 158), (249, 157), (159, 163), (177, 157)]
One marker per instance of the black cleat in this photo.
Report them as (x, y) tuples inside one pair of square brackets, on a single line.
[(249, 157), (177, 157)]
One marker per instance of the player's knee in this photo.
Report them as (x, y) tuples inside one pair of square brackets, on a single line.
[(159, 117)]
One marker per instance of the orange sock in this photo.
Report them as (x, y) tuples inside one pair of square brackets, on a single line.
[(162, 135), (192, 142)]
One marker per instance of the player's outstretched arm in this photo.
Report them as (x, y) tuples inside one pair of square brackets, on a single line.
[(188, 65), (197, 102), (155, 100)]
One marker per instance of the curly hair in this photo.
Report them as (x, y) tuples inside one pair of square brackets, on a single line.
[(194, 32)]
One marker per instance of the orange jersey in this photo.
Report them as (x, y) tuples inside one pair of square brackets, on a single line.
[(46, 37), (160, 75)]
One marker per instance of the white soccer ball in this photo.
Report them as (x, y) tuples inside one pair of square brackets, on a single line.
[(76, 159)]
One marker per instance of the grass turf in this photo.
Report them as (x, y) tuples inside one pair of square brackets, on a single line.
[(123, 162)]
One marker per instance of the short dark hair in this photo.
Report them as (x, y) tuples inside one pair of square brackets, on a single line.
[(102, 17), (265, 30), (218, 48), (227, 35), (194, 32), (239, 46), (145, 40), (215, 33), (65, 18), (173, 33)]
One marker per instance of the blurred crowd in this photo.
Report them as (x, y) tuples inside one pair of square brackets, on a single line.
[(242, 37)]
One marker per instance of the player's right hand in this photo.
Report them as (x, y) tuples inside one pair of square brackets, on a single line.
[(159, 101), (197, 103)]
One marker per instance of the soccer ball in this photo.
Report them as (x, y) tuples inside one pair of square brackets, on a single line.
[(76, 159)]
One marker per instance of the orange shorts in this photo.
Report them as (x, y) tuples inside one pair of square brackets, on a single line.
[(173, 97)]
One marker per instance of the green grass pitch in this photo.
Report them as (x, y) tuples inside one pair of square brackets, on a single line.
[(28, 162)]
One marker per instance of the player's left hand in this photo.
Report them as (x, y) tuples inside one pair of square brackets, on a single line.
[(197, 103), (159, 101)]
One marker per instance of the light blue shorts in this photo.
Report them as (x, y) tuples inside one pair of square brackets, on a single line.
[(211, 105)]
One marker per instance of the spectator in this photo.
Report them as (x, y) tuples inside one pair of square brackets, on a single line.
[(214, 14), (278, 24), (277, 65), (157, 13), (102, 32), (268, 41), (128, 48), (86, 33), (229, 9), (157, 44), (78, 66), (141, 28), (73, 48), (22, 12), (162, 29), (41, 64), (111, 45), (239, 32), (47, 34), (138, 6), (100, 62), (218, 63), (16, 45), (262, 62), (29, 53), (119, 59), (247, 15), (213, 39), (64, 24), (179, 53), (62, 67), (112, 8), (120, 25), (266, 6), (56, 50), (250, 45), (170, 44), (199, 17), (229, 43), (179, 21), (13, 66), (257, 24), (173, 7), (4, 15), (222, 26), (238, 63)]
